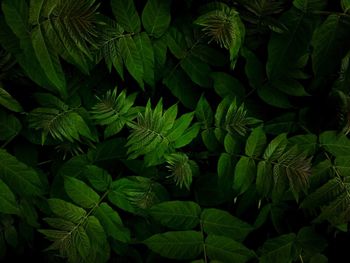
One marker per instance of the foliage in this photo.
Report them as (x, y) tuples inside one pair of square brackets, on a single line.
[(159, 130)]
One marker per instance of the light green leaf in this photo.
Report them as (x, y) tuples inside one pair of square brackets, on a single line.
[(156, 17), (256, 143), (132, 58), (8, 204), (219, 222), (180, 126), (145, 48), (345, 5), (66, 210), (225, 249), (126, 15), (336, 144), (80, 192), (179, 215), (181, 245), (99, 178), (8, 101), (245, 173), (306, 142), (19, 177), (278, 249), (48, 59), (198, 71), (188, 136), (112, 223), (10, 126)]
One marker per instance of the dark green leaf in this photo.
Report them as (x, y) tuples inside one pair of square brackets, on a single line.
[(278, 249), (126, 15), (8, 204), (245, 173), (256, 143), (10, 126), (179, 215), (225, 249), (219, 222), (80, 192), (19, 177), (156, 17), (180, 245)]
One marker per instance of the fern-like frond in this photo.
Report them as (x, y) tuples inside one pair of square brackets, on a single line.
[(58, 120), (180, 168), (108, 46), (114, 111), (263, 7), (296, 167), (76, 24), (232, 118), (333, 198), (223, 25)]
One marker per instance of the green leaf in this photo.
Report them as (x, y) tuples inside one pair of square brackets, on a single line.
[(336, 144), (319, 258), (8, 204), (307, 142), (310, 5), (80, 192), (180, 126), (285, 49), (132, 58), (82, 241), (135, 194), (226, 85), (256, 143), (188, 136), (8, 101), (19, 177), (66, 210), (276, 147), (156, 17), (245, 173), (48, 60), (198, 71), (10, 126), (330, 42), (264, 178), (145, 48), (112, 223), (290, 87), (99, 178), (222, 223), (225, 249), (345, 5), (126, 15), (278, 249), (181, 87), (204, 113), (274, 97), (310, 241), (181, 245), (179, 215)]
